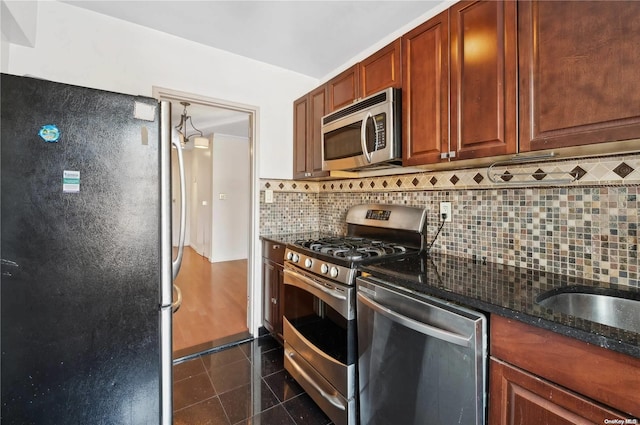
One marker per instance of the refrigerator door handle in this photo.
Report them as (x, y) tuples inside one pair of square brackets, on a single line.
[(178, 302), (175, 265)]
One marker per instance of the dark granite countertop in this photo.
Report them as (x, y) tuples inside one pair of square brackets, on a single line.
[(498, 289), (507, 291)]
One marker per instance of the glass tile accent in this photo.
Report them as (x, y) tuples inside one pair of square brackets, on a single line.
[(454, 179), (588, 228)]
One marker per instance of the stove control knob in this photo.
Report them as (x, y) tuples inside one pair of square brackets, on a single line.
[(308, 262), (334, 272), (295, 258), (324, 269), (289, 255)]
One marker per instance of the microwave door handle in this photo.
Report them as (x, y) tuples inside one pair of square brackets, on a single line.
[(363, 137)]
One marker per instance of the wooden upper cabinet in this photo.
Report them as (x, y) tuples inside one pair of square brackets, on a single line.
[(579, 72), (425, 91), (483, 79), (344, 89), (381, 70), (307, 134), (317, 103), (300, 136)]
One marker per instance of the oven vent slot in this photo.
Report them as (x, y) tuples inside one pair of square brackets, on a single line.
[(359, 106)]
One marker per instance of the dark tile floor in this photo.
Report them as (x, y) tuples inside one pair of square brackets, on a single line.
[(242, 384)]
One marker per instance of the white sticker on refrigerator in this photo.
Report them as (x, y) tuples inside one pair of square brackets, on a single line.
[(70, 181)]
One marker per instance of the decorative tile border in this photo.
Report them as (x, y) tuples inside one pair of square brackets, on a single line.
[(290, 186), (604, 171)]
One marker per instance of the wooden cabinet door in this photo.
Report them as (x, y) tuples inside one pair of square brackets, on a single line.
[(279, 310), (269, 288), (300, 137), (344, 89), (425, 92), (382, 69), (307, 134), (579, 72), (483, 79), (317, 105), (517, 397)]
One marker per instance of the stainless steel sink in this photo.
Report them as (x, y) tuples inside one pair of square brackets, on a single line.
[(616, 311)]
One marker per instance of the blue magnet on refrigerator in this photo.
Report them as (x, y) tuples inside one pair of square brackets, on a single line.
[(49, 133)]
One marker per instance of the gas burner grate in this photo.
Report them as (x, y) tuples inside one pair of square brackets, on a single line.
[(351, 248)]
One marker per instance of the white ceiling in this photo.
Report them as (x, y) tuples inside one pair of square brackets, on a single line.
[(313, 38), (210, 119)]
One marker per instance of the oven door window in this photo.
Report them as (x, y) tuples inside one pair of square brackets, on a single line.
[(318, 322)]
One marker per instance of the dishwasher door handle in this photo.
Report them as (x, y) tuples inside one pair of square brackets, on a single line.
[(423, 328)]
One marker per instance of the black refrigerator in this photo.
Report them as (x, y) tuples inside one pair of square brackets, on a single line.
[(86, 287)]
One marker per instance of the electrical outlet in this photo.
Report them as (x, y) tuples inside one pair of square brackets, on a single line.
[(268, 196), (445, 208)]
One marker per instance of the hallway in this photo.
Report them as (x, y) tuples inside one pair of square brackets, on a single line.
[(214, 304)]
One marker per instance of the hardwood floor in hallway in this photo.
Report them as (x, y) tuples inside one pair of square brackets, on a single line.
[(214, 301)]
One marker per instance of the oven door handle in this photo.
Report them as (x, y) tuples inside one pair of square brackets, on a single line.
[(316, 285), (335, 401), (423, 328)]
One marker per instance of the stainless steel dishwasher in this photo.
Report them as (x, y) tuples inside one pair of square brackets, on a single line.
[(421, 360)]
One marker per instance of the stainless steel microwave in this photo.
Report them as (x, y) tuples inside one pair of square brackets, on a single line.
[(366, 134)]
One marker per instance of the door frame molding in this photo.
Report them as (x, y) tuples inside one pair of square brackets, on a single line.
[(253, 275)]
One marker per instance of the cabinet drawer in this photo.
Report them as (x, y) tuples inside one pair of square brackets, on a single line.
[(606, 376), (273, 250)]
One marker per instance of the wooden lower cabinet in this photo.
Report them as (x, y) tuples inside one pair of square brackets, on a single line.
[(272, 283), (537, 376), (518, 397)]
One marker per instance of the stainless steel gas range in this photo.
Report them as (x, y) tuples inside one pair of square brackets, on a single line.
[(320, 300)]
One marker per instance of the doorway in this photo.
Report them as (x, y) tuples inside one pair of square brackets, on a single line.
[(216, 273)]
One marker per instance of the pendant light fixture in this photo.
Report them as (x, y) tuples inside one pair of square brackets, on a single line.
[(196, 137)]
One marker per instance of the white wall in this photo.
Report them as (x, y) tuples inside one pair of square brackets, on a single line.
[(77, 46), (200, 190), (230, 216)]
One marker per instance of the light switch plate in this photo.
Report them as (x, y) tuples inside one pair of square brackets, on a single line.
[(268, 196)]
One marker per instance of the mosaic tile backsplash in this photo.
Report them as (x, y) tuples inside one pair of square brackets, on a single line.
[(588, 228)]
